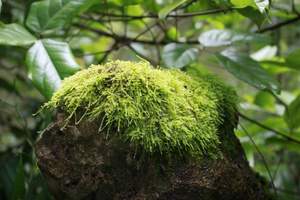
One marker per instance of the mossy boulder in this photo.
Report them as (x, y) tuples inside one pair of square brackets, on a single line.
[(155, 110), (126, 130)]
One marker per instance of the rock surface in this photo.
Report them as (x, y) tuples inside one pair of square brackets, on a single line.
[(80, 163)]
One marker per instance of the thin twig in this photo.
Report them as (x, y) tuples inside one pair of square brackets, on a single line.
[(149, 28), (269, 128), (155, 16), (106, 54), (262, 157), (187, 4), (93, 53), (290, 192), (279, 25), (122, 39), (278, 99), (153, 63)]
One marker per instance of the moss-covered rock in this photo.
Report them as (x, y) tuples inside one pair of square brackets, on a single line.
[(112, 119), (157, 111)]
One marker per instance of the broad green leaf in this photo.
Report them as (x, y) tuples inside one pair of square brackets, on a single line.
[(216, 38), (167, 9), (242, 3), (173, 33), (127, 2), (19, 183), (179, 55), (265, 100), (221, 3), (253, 14), (52, 14), (276, 65), (291, 115), (266, 53), (248, 70), (293, 59), (262, 5), (137, 10), (7, 175), (151, 6), (48, 62), (16, 35)]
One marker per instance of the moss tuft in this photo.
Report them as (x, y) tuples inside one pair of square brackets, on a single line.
[(156, 110)]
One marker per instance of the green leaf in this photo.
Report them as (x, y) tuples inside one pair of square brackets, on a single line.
[(179, 55), (253, 14), (7, 175), (293, 59), (265, 100), (19, 183), (48, 62), (262, 5), (242, 3), (216, 38), (248, 70), (52, 14), (173, 33), (167, 9), (0, 5), (127, 2), (291, 115), (15, 35), (276, 65), (265, 53)]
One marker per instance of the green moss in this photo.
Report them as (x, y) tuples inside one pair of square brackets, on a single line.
[(226, 95), (156, 110)]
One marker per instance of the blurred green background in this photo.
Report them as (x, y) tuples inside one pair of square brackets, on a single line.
[(253, 45)]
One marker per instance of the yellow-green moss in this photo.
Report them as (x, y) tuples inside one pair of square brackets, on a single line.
[(156, 110)]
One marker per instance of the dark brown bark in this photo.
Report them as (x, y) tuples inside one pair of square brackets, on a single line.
[(79, 163)]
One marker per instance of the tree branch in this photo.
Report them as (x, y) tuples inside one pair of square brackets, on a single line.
[(152, 62), (128, 40), (155, 16), (279, 25)]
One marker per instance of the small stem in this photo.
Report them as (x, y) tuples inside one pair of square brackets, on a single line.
[(262, 157), (269, 128)]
